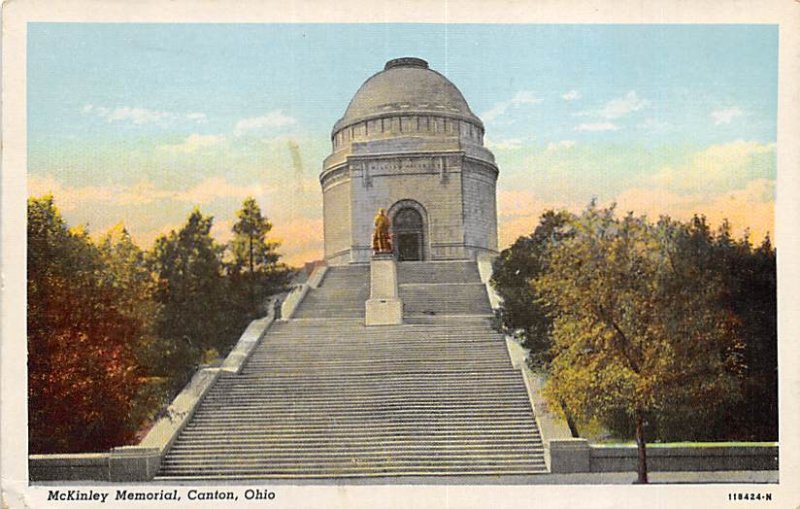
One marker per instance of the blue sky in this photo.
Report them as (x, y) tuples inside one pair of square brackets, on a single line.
[(138, 123)]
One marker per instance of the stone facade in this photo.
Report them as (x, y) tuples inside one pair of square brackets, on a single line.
[(409, 143)]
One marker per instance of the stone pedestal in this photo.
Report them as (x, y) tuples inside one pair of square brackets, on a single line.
[(384, 307)]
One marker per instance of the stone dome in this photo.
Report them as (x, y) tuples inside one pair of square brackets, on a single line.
[(405, 86)]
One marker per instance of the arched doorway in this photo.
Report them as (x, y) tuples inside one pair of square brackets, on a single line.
[(408, 233)]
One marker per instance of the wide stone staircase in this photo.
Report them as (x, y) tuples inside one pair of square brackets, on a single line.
[(324, 396)]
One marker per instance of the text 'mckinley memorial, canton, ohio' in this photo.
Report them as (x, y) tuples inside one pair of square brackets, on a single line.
[(409, 143)]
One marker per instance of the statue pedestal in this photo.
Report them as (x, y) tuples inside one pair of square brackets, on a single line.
[(384, 307)]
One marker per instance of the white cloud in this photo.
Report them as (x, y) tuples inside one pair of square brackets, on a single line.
[(497, 110), (508, 144), (597, 126), (622, 106), (193, 143), (572, 95), (272, 120), (141, 116), (200, 118), (560, 145), (138, 116), (723, 117), (654, 124), (523, 97)]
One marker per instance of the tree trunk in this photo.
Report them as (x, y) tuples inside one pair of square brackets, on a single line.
[(642, 447), (573, 427)]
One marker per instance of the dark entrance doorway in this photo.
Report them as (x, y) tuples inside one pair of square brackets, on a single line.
[(408, 234)]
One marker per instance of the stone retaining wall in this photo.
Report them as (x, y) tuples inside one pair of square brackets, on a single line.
[(698, 457), (69, 467)]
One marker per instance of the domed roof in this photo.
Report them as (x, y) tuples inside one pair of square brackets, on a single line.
[(406, 85)]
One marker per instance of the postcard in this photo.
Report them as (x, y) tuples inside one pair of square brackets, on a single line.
[(400, 254)]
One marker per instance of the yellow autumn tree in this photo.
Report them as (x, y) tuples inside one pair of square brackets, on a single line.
[(637, 329)]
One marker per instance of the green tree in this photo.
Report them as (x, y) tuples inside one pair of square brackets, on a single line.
[(83, 376), (255, 267), (750, 292), (755, 300), (637, 329), (126, 270), (250, 247), (521, 314), (191, 288)]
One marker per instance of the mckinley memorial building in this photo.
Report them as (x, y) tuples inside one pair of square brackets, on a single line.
[(408, 142)]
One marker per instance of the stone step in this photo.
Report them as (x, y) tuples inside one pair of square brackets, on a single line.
[(398, 376), (354, 468), (401, 351), (445, 299), (438, 272), (468, 423), (389, 345), (426, 459), (265, 393), (310, 442), (366, 471), (370, 383), (465, 397), (330, 374), (343, 322), (340, 417), (303, 442), (342, 328), (530, 450), (315, 472), (338, 430), (312, 364), (269, 460), (480, 427), (409, 331), (400, 348), (246, 400)]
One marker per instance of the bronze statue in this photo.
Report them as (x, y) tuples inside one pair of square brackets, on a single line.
[(381, 238)]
